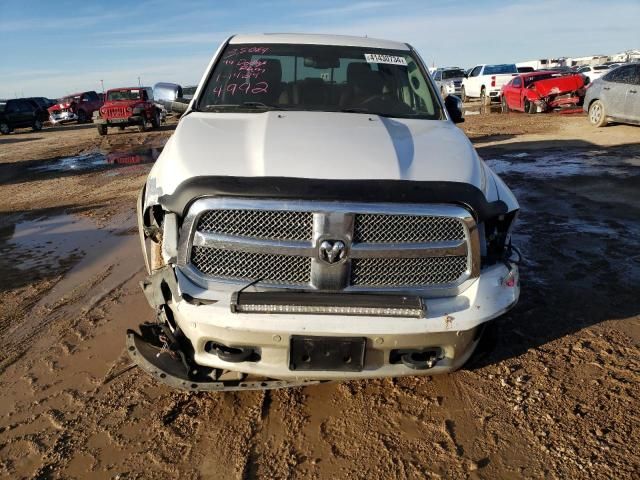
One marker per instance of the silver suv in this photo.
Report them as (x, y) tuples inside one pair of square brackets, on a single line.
[(449, 80)]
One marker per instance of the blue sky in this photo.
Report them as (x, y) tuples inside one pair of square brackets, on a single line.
[(51, 48)]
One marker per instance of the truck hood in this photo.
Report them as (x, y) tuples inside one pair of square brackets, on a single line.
[(320, 145)]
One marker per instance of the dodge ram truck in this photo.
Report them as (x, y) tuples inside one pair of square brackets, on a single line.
[(317, 215)]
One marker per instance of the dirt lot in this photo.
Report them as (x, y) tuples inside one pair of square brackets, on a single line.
[(554, 393)]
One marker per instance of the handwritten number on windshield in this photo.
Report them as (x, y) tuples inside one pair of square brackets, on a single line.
[(246, 88)]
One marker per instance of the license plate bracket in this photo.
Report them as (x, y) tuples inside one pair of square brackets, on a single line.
[(336, 354)]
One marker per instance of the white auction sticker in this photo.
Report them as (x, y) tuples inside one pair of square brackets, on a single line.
[(380, 58)]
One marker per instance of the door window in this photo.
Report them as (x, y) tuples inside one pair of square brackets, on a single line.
[(475, 72), (437, 76), (624, 74), (24, 107), (517, 82)]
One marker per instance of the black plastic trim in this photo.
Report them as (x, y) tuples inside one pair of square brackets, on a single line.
[(368, 191)]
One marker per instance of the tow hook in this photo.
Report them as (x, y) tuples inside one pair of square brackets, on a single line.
[(420, 360), (232, 354)]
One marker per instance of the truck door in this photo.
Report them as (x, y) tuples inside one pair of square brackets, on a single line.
[(473, 89)]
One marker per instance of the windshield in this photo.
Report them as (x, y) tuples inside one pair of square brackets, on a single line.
[(446, 74), (602, 67), (123, 95), (499, 69), (320, 78)]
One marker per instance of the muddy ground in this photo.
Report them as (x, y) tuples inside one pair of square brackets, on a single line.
[(553, 393)]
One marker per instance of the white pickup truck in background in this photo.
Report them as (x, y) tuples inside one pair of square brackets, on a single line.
[(485, 81)]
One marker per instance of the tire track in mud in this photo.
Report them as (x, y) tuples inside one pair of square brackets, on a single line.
[(276, 444)]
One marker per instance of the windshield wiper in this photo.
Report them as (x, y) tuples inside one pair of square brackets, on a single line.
[(243, 105), (364, 110)]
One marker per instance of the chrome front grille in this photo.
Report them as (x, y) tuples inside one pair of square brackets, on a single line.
[(271, 224), (282, 244), (249, 266), (413, 272), (376, 228)]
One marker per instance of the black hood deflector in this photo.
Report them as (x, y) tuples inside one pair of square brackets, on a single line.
[(367, 191)]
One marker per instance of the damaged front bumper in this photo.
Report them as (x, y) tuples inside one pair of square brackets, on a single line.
[(149, 352), (59, 117), (209, 345)]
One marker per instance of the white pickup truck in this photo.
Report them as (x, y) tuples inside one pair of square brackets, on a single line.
[(318, 216), (485, 81)]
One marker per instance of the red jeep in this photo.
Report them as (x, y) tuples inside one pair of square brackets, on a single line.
[(124, 107), (77, 106)]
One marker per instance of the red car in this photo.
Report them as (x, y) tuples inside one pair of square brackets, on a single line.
[(125, 107), (542, 91), (77, 106)]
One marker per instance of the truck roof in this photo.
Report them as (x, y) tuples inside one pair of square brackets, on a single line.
[(317, 39), (120, 89)]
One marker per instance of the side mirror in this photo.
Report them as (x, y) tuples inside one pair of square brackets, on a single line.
[(453, 105)]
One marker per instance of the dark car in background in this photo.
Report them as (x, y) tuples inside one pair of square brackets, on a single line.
[(43, 102), (41, 112), (20, 113), (615, 97)]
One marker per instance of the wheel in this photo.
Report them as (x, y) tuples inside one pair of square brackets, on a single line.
[(102, 130), (505, 105), (483, 97), (37, 125), (5, 129), (82, 116), (597, 114), (463, 94), (121, 127), (530, 107), (155, 121), (142, 126)]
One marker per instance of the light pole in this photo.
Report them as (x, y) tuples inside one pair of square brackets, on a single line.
[(139, 84), (102, 83)]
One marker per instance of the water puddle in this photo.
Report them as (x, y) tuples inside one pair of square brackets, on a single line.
[(48, 243), (563, 164), (40, 248), (482, 109), (98, 161)]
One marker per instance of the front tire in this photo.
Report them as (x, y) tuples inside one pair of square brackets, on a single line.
[(102, 130), (463, 95), (82, 116), (37, 126), (5, 129), (142, 127), (597, 114), (530, 107), (505, 105), (155, 121)]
